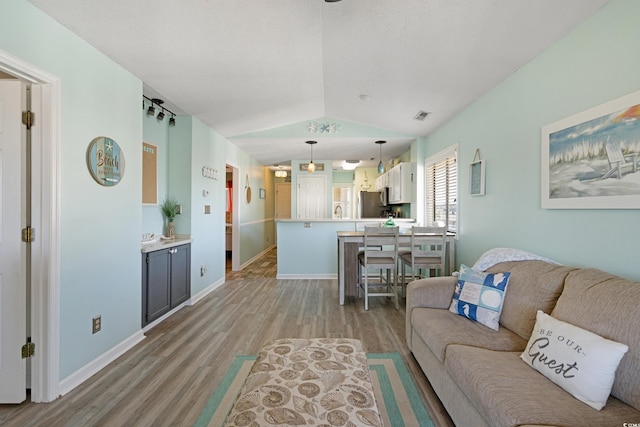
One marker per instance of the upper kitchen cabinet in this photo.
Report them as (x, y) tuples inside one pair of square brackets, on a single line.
[(382, 182), (402, 181)]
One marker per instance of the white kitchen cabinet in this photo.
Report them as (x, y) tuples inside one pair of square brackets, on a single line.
[(402, 183), (382, 182)]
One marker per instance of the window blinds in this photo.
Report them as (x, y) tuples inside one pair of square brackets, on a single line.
[(442, 190)]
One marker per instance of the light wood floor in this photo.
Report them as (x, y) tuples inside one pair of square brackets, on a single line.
[(168, 378)]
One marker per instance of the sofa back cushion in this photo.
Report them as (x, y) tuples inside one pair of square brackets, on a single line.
[(607, 305), (533, 286)]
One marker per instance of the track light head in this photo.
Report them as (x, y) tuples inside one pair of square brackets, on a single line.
[(160, 115), (172, 121), (151, 110)]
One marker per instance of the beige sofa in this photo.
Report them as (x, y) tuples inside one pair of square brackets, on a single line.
[(477, 372)]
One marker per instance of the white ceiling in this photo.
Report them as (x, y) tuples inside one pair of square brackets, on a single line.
[(247, 66)]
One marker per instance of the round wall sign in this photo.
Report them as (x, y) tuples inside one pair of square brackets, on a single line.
[(105, 160)]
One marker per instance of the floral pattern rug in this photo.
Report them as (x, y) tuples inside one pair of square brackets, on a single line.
[(321, 382)]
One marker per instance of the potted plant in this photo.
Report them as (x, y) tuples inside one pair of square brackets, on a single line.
[(169, 209)]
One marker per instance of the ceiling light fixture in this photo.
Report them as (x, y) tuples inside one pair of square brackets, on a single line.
[(151, 111), (380, 165), (280, 173), (311, 167), (350, 165)]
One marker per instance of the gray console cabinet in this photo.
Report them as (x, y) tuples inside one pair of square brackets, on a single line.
[(166, 281)]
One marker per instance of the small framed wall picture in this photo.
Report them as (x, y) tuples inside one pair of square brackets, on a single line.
[(476, 175), (263, 193)]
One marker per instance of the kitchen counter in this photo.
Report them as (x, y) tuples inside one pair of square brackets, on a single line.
[(409, 220), (307, 248), (159, 243)]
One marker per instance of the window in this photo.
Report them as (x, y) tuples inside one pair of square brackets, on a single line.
[(442, 189)]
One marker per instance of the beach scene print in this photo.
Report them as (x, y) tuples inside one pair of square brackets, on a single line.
[(597, 158)]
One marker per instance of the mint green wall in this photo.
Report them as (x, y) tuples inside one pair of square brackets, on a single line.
[(207, 230), (156, 133), (343, 177), (594, 64), (100, 227), (179, 175)]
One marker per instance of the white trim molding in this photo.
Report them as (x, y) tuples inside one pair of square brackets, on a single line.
[(45, 251)]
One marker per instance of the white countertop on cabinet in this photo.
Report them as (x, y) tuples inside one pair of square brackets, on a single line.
[(160, 243)]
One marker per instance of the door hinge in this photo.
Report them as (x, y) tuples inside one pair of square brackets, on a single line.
[(29, 349), (28, 118), (28, 234)]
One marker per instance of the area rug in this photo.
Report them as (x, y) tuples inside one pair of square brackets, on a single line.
[(396, 394)]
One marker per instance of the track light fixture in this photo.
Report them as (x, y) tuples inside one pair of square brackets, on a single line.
[(151, 110)]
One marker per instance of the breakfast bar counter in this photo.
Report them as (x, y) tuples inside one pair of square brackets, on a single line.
[(348, 246)]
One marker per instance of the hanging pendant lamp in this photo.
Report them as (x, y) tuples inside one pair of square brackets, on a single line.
[(380, 165), (312, 167)]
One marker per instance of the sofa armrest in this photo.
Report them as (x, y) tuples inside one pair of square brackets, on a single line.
[(432, 292)]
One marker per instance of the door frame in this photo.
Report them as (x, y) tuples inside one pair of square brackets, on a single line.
[(235, 216), (46, 140)]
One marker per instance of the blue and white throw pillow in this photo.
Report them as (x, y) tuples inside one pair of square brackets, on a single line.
[(479, 296)]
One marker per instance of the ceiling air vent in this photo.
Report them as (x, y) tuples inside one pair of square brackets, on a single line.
[(421, 115)]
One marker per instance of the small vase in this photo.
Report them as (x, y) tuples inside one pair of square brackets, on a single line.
[(171, 230)]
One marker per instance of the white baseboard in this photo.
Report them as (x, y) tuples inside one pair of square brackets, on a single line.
[(203, 293), (257, 256), (91, 368)]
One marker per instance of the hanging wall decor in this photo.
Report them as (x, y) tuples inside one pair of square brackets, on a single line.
[(105, 161), (247, 190), (476, 175)]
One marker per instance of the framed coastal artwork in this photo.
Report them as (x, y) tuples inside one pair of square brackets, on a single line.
[(591, 160)]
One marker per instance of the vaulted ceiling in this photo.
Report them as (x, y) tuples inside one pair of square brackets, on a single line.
[(253, 66)]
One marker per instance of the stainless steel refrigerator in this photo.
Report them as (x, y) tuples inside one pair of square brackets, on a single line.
[(369, 204)]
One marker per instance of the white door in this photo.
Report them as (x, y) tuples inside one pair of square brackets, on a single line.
[(312, 197), (12, 287), (283, 200)]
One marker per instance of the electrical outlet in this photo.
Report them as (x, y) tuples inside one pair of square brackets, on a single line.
[(96, 324)]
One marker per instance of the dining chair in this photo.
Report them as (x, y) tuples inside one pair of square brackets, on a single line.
[(380, 252), (427, 251)]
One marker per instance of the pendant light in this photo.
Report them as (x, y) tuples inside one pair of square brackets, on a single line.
[(312, 167), (380, 165)]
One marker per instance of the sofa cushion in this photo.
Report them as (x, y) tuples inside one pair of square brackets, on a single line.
[(533, 286), (479, 296), (581, 362), (607, 305), (508, 393), (440, 328)]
